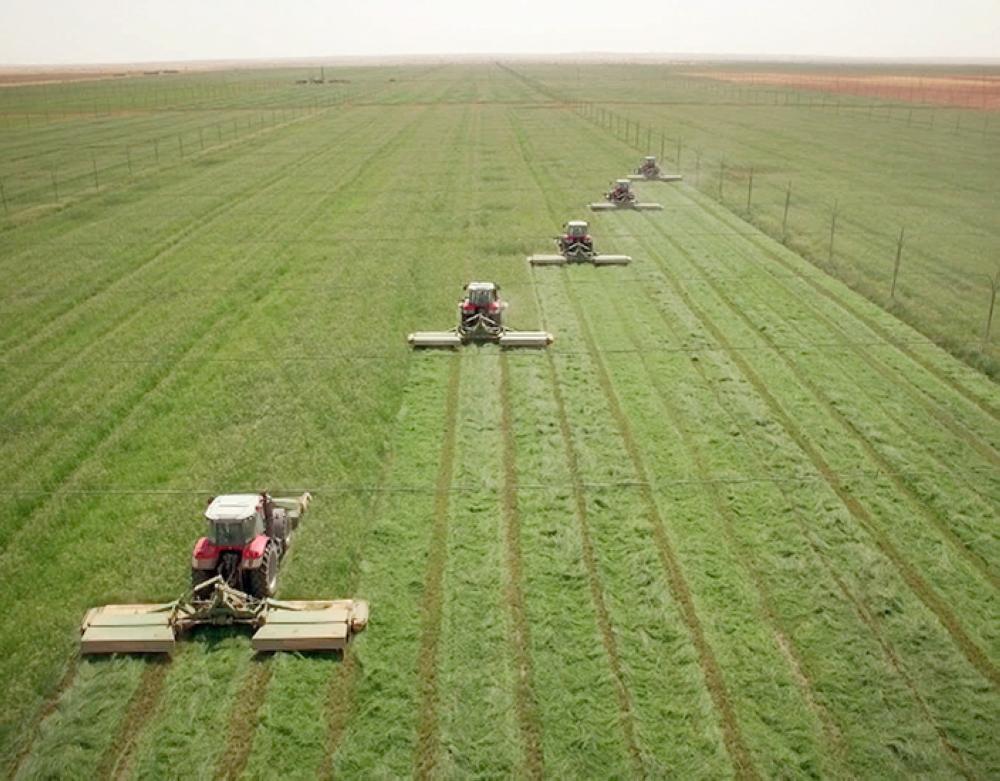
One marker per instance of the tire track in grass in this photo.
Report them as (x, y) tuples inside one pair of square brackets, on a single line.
[(859, 609), (916, 503), (973, 653), (626, 717), (732, 735), (767, 249), (764, 246), (116, 761), (917, 506), (20, 755), (340, 694), (425, 759), (932, 405), (746, 556), (526, 704), (343, 684), (243, 720)]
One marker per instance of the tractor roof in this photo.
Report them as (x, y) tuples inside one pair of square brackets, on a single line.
[(576, 223), (480, 286), (232, 507), (651, 157), (622, 181)]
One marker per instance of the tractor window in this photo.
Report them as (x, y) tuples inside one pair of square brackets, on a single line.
[(231, 532), (480, 296)]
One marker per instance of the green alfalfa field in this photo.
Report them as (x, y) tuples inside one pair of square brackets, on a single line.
[(739, 520)]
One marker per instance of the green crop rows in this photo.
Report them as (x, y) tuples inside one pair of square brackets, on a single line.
[(737, 520)]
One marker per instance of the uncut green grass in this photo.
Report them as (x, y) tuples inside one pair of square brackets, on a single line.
[(238, 321)]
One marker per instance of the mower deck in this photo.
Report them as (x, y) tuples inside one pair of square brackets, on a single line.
[(660, 178), (128, 629), (606, 206), (562, 260), (453, 339), (311, 625)]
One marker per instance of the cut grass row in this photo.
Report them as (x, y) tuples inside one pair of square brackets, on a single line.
[(650, 246), (610, 559), (935, 182)]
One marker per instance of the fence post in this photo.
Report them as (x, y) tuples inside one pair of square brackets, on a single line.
[(750, 191), (833, 229), (128, 158), (784, 217), (662, 141), (994, 284), (680, 146), (3, 197), (895, 268), (97, 184)]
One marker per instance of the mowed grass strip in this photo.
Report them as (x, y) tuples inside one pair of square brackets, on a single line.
[(830, 463), (627, 231), (388, 698), (875, 591), (811, 591), (477, 719), (82, 724), (585, 706)]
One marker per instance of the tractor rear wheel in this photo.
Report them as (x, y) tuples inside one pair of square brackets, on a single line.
[(263, 581)]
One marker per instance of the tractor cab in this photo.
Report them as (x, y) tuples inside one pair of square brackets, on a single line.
[(575, 243), (649, 166), (621, 192), (481, 296), (481, 311), (235, 520)]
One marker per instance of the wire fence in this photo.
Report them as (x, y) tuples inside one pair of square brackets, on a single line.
[(880, 262)]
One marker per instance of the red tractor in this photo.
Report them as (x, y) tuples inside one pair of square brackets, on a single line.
[(576, 243), (648, 169), (248, 535), (481, 311), (621, 193)]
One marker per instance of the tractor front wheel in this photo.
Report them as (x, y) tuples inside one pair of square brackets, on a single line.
[(263, 581)]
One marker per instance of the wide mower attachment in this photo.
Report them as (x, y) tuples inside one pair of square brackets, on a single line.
[(620, 196), (310, 625), (649, 171), (234, 572), (480, 320), (576, 245)]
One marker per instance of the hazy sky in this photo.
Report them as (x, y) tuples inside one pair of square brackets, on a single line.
[(84, 31)]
